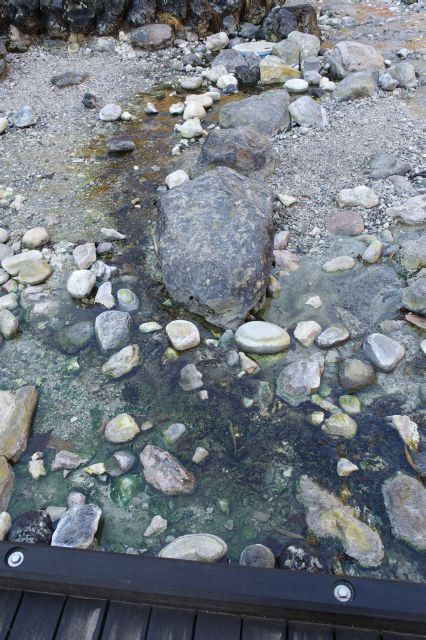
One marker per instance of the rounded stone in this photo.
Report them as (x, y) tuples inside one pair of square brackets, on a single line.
[(121, 429), (257, 555), (355, 374), (333, 336), (8, 324), (183, 335), (262, 337), (340, 425), (127, 300), (194, 110), (37, 273), (296, 85), (80, 283), (75, 337), (4, 234), (110, 112), (191, 83), (383, 352), (340, 263), (350, 404), (35, 238), (201, 547), (4, 124)]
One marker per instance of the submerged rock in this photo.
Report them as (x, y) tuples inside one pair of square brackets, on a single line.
[(327, 517), (122, 428), (164, 472), (75, 337), (405, 501), (261, 337), (201, 547), (382, 351), (257, 555), (77, 527), (266, 113), (408, 431), (113, 329), (299, 556), (340, 425), (190, 378), (5, 524), (31, 527), (183, 335), (219, 276), (299, 379), (122, 362), (16, 412)]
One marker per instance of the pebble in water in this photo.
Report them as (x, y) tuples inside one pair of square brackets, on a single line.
[(383, 352), (80, 283), (122, 428), (183, 335), (110, 113), (262, 337), (306, 332)]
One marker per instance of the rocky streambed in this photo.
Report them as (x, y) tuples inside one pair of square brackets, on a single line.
[(213, 337)]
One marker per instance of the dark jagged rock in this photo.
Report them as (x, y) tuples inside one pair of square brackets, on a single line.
[(69, 79), (255, 11), (141, 12), (90, 101), (4, 17), (52, 14), (281, 21), (3, 54), (80, 16), (219, 276), (176, 8), (25, 14), (299, 556), (111, 16), (31, 527), (267, 113)]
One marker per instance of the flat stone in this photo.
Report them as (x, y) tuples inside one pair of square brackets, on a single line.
[(340, 263), (306, 332), (190, 83), (35, 238), (37, 273), (13, 264), (112, 329), (68, 79), (354, 374), (80, 283), (257, 555), (412, 212), (7, 478), (308, 113), (164, 472), (383, 165), (122, 362), (122, 428), (201, 547), (16, 412), (356, 86), (77, 527), (358, 197), (405, 501), (110, 112), (24, 117), (267, 113), (66, 460), (327, 517), (384, 352), (350, 57), (8, 324), (346, 223), (299, 379), (75, 337), (120, 145), (414, 295), (261, 337), (183, 335), (333, 336)]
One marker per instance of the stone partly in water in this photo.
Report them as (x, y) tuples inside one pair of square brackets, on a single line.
[(221, 277), (8, 324), (414, 295), (257, 555), (164, 472), (273, 70), (383, 352), (412, 212), (299, 556), (306, 332), (408, 430), (308, 113), (354, 374), (333, 336), (6, 483), (77, 527), (201, 547), (243, 149), (405, 500), (122, 428), (110, 112), (350, 57), (261, 337), (120, 145), (340, 263), (13, 264), (190, 378), (16, 412), (36, 274), (299, 379), (112, 329), (327, 517), (5, 524), (340, 425), (32, 527), (80, 283), (267, 113), (183, 335), (122, 362)]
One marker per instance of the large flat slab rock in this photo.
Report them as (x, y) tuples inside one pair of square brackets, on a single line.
[(16, 412), (405, 500), (222, 272), (267, 113)]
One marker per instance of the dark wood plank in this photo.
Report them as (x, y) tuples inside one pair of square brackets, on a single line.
[(9, 603), (170, 624), (126, 621), (307, 631), (259, 629), (81, 619), (37, 617), (342, 633), (216, 626), (401, 636)]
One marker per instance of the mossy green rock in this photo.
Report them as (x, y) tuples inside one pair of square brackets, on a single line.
[(125, 488)]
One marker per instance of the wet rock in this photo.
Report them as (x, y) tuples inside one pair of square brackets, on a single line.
[(306, 332), (7, 478), (200, 454), (121, 429), (346, 468), (383, 165), (190, 378), (175, 432), (13, 264), (405, 501), (110, 112), (120, 145), (176, 178), (68, 79), (77, 527), (183, 335), (24, 117), (346, 223), (152, 36), (356, 86), (75, 337), (104, 296), (354, 374), (120, 462), (308, 113), (8, 324), (282, 21), (35, 238), (340, 263), (358, 197), (9, 301), (201, 547), (38, 273), (149, 327), (412, 212), (5, 524), (405, 74), (31, 527), (219, 277), (84, 255), (249, 366), (340, 425), (156, 526), (267, 113), (257, 555), (327, 517), (274, 70), (164, 472), (408, 430), (112, 329), (80, 283), (122, 362), (190, 129), (299, 379), (351, 57), (261, 337), (127, 300), (242, 149), (414, 295), (383, 352), (16, 412), (299, 556), (66, 460), (333, 336)]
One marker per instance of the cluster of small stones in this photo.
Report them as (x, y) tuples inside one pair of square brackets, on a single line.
[(359, 71)]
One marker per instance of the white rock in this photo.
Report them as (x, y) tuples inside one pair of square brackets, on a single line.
[(358, 197), (286, 200), (262, 337), (382, 351), (36, 469), (35, 238), (4, 124), (104, 296), (203, 99), (80, 283), (112, 234), (8, 324), (340, 263), (296, 85), (4, 234), (110, 112), (408, 430), (345, 467), (177, 109), (183, 334), (308, 113), (226, 80), (156, 526), (217, 41), (191, 82), (308, 45), (306, 332), (326, 84), (213, 74), (314, 302), (423, 346), (248, 365), (14, 264), (373, 252), (176, 178), (194, 110), (190, 129), (200, 455), (5, 524), (84, 255), (281, 240), (411, 212), (201, 547), (9, 301), (150, 109), (149, 327)]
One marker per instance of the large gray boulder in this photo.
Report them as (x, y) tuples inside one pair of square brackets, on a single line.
[(350, 57), (355, 86), (215, 245), (267, 113), (152, 36), (243, 149)]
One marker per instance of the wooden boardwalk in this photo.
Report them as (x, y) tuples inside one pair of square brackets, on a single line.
[(84, 595)]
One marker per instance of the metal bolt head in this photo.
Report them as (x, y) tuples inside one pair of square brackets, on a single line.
[(15, 559), (343, 592)]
